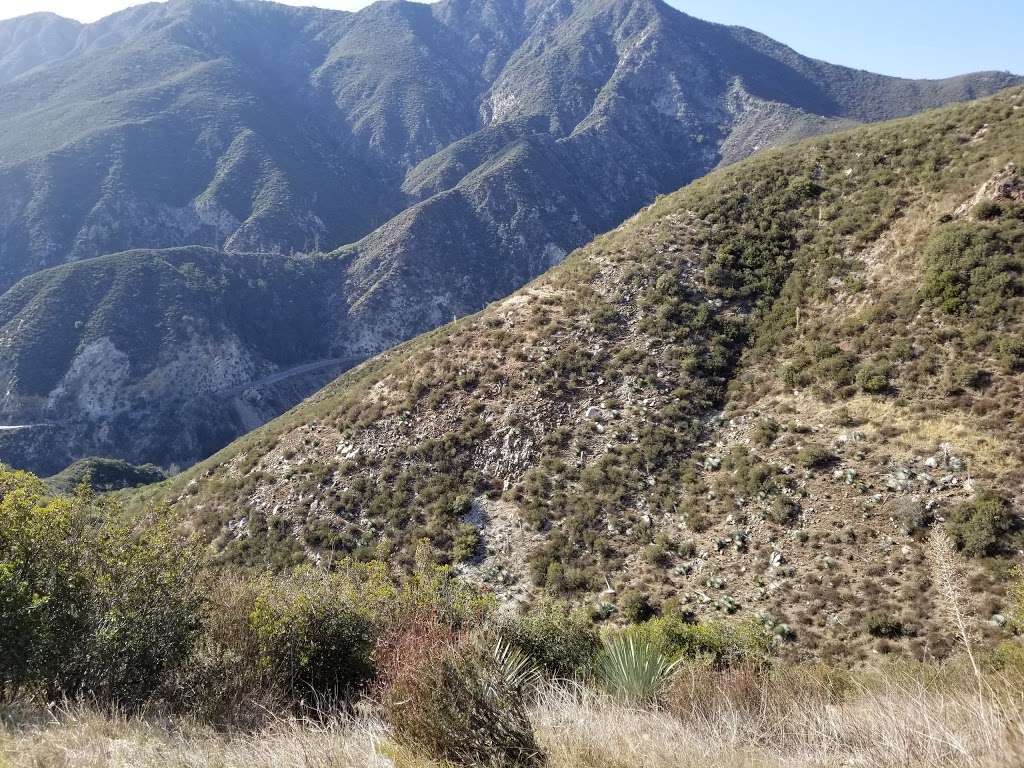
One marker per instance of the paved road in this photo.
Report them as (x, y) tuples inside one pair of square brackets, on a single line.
[(344, 363), (340, 362)]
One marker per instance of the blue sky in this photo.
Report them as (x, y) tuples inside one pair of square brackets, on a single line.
[(912, 38)]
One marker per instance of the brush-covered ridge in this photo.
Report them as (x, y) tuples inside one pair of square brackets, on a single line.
[(753, 397)]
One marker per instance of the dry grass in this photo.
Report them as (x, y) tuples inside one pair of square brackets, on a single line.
[(80, 738), (991, 450), (914, 717), (891, 722)]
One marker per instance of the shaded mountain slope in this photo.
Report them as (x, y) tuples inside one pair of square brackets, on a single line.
[(451, 152), (754, 397), (148, 352)]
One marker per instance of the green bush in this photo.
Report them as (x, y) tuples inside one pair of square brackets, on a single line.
[(815, 456), (562, 643), (1016, 596), (873, 378), (724, 644), (965, 376), (1010, 352), (451, 699), (880, 624), (466, 544), (305, 643), (311, 634), (975, 269), (987, 210), (636, 606), (784, 510), (92, 606), (980, 526), (746, 474), (659, 551), (765, 432)]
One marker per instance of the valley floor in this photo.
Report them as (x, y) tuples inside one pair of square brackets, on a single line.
[(923, 718)]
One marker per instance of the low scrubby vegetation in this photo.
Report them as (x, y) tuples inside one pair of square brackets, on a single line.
[(115, 625)]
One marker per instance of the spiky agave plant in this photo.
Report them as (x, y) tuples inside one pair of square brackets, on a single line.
[(634, 670), (515, 668)]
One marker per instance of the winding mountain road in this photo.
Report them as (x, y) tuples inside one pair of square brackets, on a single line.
[(345, 363)]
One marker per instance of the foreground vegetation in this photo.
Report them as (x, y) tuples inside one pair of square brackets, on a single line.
[(918, 717), (119, 644)]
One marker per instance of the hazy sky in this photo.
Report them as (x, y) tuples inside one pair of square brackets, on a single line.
[(913, 38)]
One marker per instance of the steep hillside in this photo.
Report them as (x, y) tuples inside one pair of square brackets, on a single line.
[(452, 152), (34, 41), (754, 397)]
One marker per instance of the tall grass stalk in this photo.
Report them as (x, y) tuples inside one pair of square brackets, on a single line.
[(947, 577)]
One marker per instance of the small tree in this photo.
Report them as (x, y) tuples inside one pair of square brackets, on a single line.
[(979, 526)]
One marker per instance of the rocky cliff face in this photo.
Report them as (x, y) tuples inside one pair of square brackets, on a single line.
[(459, 149)]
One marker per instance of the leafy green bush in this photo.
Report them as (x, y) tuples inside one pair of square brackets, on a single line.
[(784, 510), (987, 210), (815, 456), (562, 643), (311, 634), (306, 643), (466, 543), (659, 551), (724, 644), (93, 606), (1016, 596), (974, 268), (636, 606), (1010, 352), (748, 475), (873, 378), (965, 376), (980, 526), (765, 432)]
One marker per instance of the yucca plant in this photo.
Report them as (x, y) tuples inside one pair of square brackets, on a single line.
[(633, 670), (515, 668), (461, 700)]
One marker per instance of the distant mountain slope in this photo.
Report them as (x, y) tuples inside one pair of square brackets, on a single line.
[(450, 151), (754, 397), (161, 352), (34, 41)]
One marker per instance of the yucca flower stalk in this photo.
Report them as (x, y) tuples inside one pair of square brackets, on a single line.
[(948, 581)]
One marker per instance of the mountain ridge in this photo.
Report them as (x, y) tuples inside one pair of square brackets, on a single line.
[(755, 397), (449, 152)]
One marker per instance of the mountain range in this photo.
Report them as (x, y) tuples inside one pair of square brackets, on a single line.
[(210, 208)]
